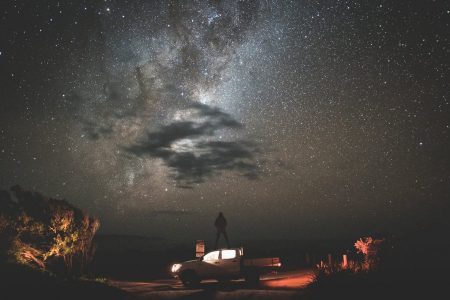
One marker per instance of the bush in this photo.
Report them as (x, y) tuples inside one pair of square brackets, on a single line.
[(370, 248), (45, 232)]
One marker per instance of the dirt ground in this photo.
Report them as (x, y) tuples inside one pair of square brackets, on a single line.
[(285, 285)]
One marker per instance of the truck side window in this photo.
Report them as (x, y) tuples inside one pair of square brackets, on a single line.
[(228, 254), (211, 256)]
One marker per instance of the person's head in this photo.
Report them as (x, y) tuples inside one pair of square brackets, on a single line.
[(220, 214)]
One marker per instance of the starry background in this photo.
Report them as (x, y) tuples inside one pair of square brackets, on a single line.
[(297, 119)]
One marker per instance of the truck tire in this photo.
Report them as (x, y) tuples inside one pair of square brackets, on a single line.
[(190, 279), (252, 278)]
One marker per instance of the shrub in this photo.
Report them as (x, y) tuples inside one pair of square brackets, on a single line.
[(370, 248), (41, 231)]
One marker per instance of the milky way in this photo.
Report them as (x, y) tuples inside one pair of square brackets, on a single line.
[(326, 119)]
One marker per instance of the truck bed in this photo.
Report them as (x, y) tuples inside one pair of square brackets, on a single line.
[(262, 262)]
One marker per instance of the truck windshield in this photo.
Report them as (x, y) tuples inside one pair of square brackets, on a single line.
[(211, 256)]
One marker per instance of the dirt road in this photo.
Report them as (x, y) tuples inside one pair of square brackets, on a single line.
[(285, 285)]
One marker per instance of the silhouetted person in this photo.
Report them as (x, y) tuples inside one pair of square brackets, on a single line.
[(221, 225)]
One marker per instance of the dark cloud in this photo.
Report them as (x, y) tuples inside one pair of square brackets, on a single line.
[(203, 158), (215, 157)]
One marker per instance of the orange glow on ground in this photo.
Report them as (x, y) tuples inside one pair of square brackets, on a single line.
[(292, 282)]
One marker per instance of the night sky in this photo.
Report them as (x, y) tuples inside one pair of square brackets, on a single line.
[(297, 119)]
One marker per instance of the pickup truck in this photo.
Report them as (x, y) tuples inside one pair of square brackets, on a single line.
[(224, 265)]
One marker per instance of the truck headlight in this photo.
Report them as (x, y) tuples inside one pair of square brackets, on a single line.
[(175, 268)]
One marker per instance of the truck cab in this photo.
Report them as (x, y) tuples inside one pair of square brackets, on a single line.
[(221, 263)]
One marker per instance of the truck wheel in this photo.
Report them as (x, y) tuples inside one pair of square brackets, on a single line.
[(252, 278), (190, 279)]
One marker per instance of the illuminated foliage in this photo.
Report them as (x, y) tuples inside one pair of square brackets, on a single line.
[(40, 231), (369, 247)]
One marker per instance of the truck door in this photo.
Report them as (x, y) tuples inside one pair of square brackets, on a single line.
[(230, 262), (210, 265)]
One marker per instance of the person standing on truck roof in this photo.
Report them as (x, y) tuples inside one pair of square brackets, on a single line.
[(221, 225)]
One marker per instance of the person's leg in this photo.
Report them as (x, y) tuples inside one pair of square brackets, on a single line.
[(217, 239), (225, 235)]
